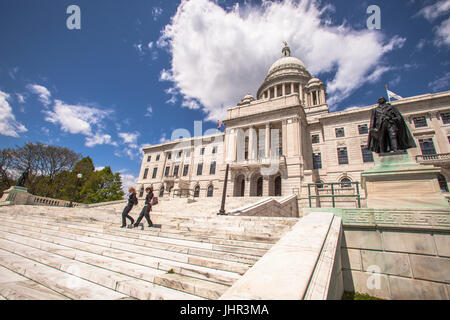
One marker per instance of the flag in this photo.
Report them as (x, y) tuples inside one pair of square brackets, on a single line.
[(219, 125), (393, 95)]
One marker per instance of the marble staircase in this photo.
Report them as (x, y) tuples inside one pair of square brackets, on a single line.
[(75, 253)]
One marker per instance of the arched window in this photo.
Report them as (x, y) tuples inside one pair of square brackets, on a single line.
[(346, 183), (197, 191), (442, 183), (210, 190), (161, 192)]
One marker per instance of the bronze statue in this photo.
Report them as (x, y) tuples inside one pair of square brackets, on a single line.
[(388, 130), (23, 178)]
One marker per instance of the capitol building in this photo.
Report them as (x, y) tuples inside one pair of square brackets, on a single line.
[(285, 141)]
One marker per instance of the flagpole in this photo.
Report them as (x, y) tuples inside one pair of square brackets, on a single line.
[(389, 97)]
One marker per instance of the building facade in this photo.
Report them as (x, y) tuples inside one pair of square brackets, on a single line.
[(286, 139)]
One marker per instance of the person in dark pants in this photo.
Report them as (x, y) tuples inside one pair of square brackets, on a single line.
[(146, 209), (132, 200)]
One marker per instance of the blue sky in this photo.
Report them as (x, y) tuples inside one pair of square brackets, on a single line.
[(137, 70)]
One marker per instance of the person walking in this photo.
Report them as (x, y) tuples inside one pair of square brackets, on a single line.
[(132, 200), (146, 209)]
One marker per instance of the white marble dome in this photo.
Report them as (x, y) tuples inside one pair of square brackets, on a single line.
[(286, 62)]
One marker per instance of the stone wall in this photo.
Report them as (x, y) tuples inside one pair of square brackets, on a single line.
[(395, 254), (303, 264), (271, 207)]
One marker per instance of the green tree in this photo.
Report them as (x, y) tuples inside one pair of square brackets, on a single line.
[(100, 186)]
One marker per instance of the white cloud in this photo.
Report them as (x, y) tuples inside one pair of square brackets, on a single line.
[(20, 98), (43, 93), (100, 168), (440, 83), (435, 10), (75, 119), (98, 139), (81, 119), (129, 138), (149, 112), (163, 138), (443, 33), (156, 12), (128, 180), (8, 124), (219, 55)]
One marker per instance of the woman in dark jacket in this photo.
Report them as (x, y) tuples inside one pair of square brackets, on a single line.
[(132, 200), (146, 209)]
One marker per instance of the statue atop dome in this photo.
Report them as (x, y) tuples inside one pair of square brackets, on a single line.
[(286, 50)]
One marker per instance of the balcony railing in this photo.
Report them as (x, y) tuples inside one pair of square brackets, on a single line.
[(433, 158)]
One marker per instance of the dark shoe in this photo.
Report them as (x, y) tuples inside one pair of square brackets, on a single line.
[(150, 225), (123, 226)]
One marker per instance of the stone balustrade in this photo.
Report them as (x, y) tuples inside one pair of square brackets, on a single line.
[(271, 207)]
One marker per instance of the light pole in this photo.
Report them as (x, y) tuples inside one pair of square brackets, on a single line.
[(224, 193), (79, 176)]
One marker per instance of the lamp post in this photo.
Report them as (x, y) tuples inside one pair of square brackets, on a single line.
[(224, 193), (79, 176)]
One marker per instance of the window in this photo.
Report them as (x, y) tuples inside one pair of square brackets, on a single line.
[(141, 192), (314, 98), (161, 192), (214, 150), (279, 90), (427, 146), (199, 169), (210, 191), (187, 153), (342, 155), (202, 151), (166, 173), (212, 168), (265, 95), (169, 156), (346, 183), (296, 87), (149, 158), (363, 129), (340, 132), (287, 88), (366, 154), (145, 173), (175, 171), (445, 117), (420, 122), (179, 154), (317, 161), (448, 138), (155, 170), (315, 138), (442, 183), (272, 93), (157, 157), (197, 191), (185, 170)]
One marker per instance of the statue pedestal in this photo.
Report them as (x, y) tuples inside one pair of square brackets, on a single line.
[(397, 181), (15, 195)]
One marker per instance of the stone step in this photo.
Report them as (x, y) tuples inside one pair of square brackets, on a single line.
[(201, 288), (195, 231), (119, 282), (190, 236), (124, 245), (56, 280), (16, 287), (197, 271)]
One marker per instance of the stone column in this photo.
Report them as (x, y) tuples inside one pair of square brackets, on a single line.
[(322, 96), (252, 144), (300, 94), (267, 144), (266, 181), (275, 90), (284, 137)]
